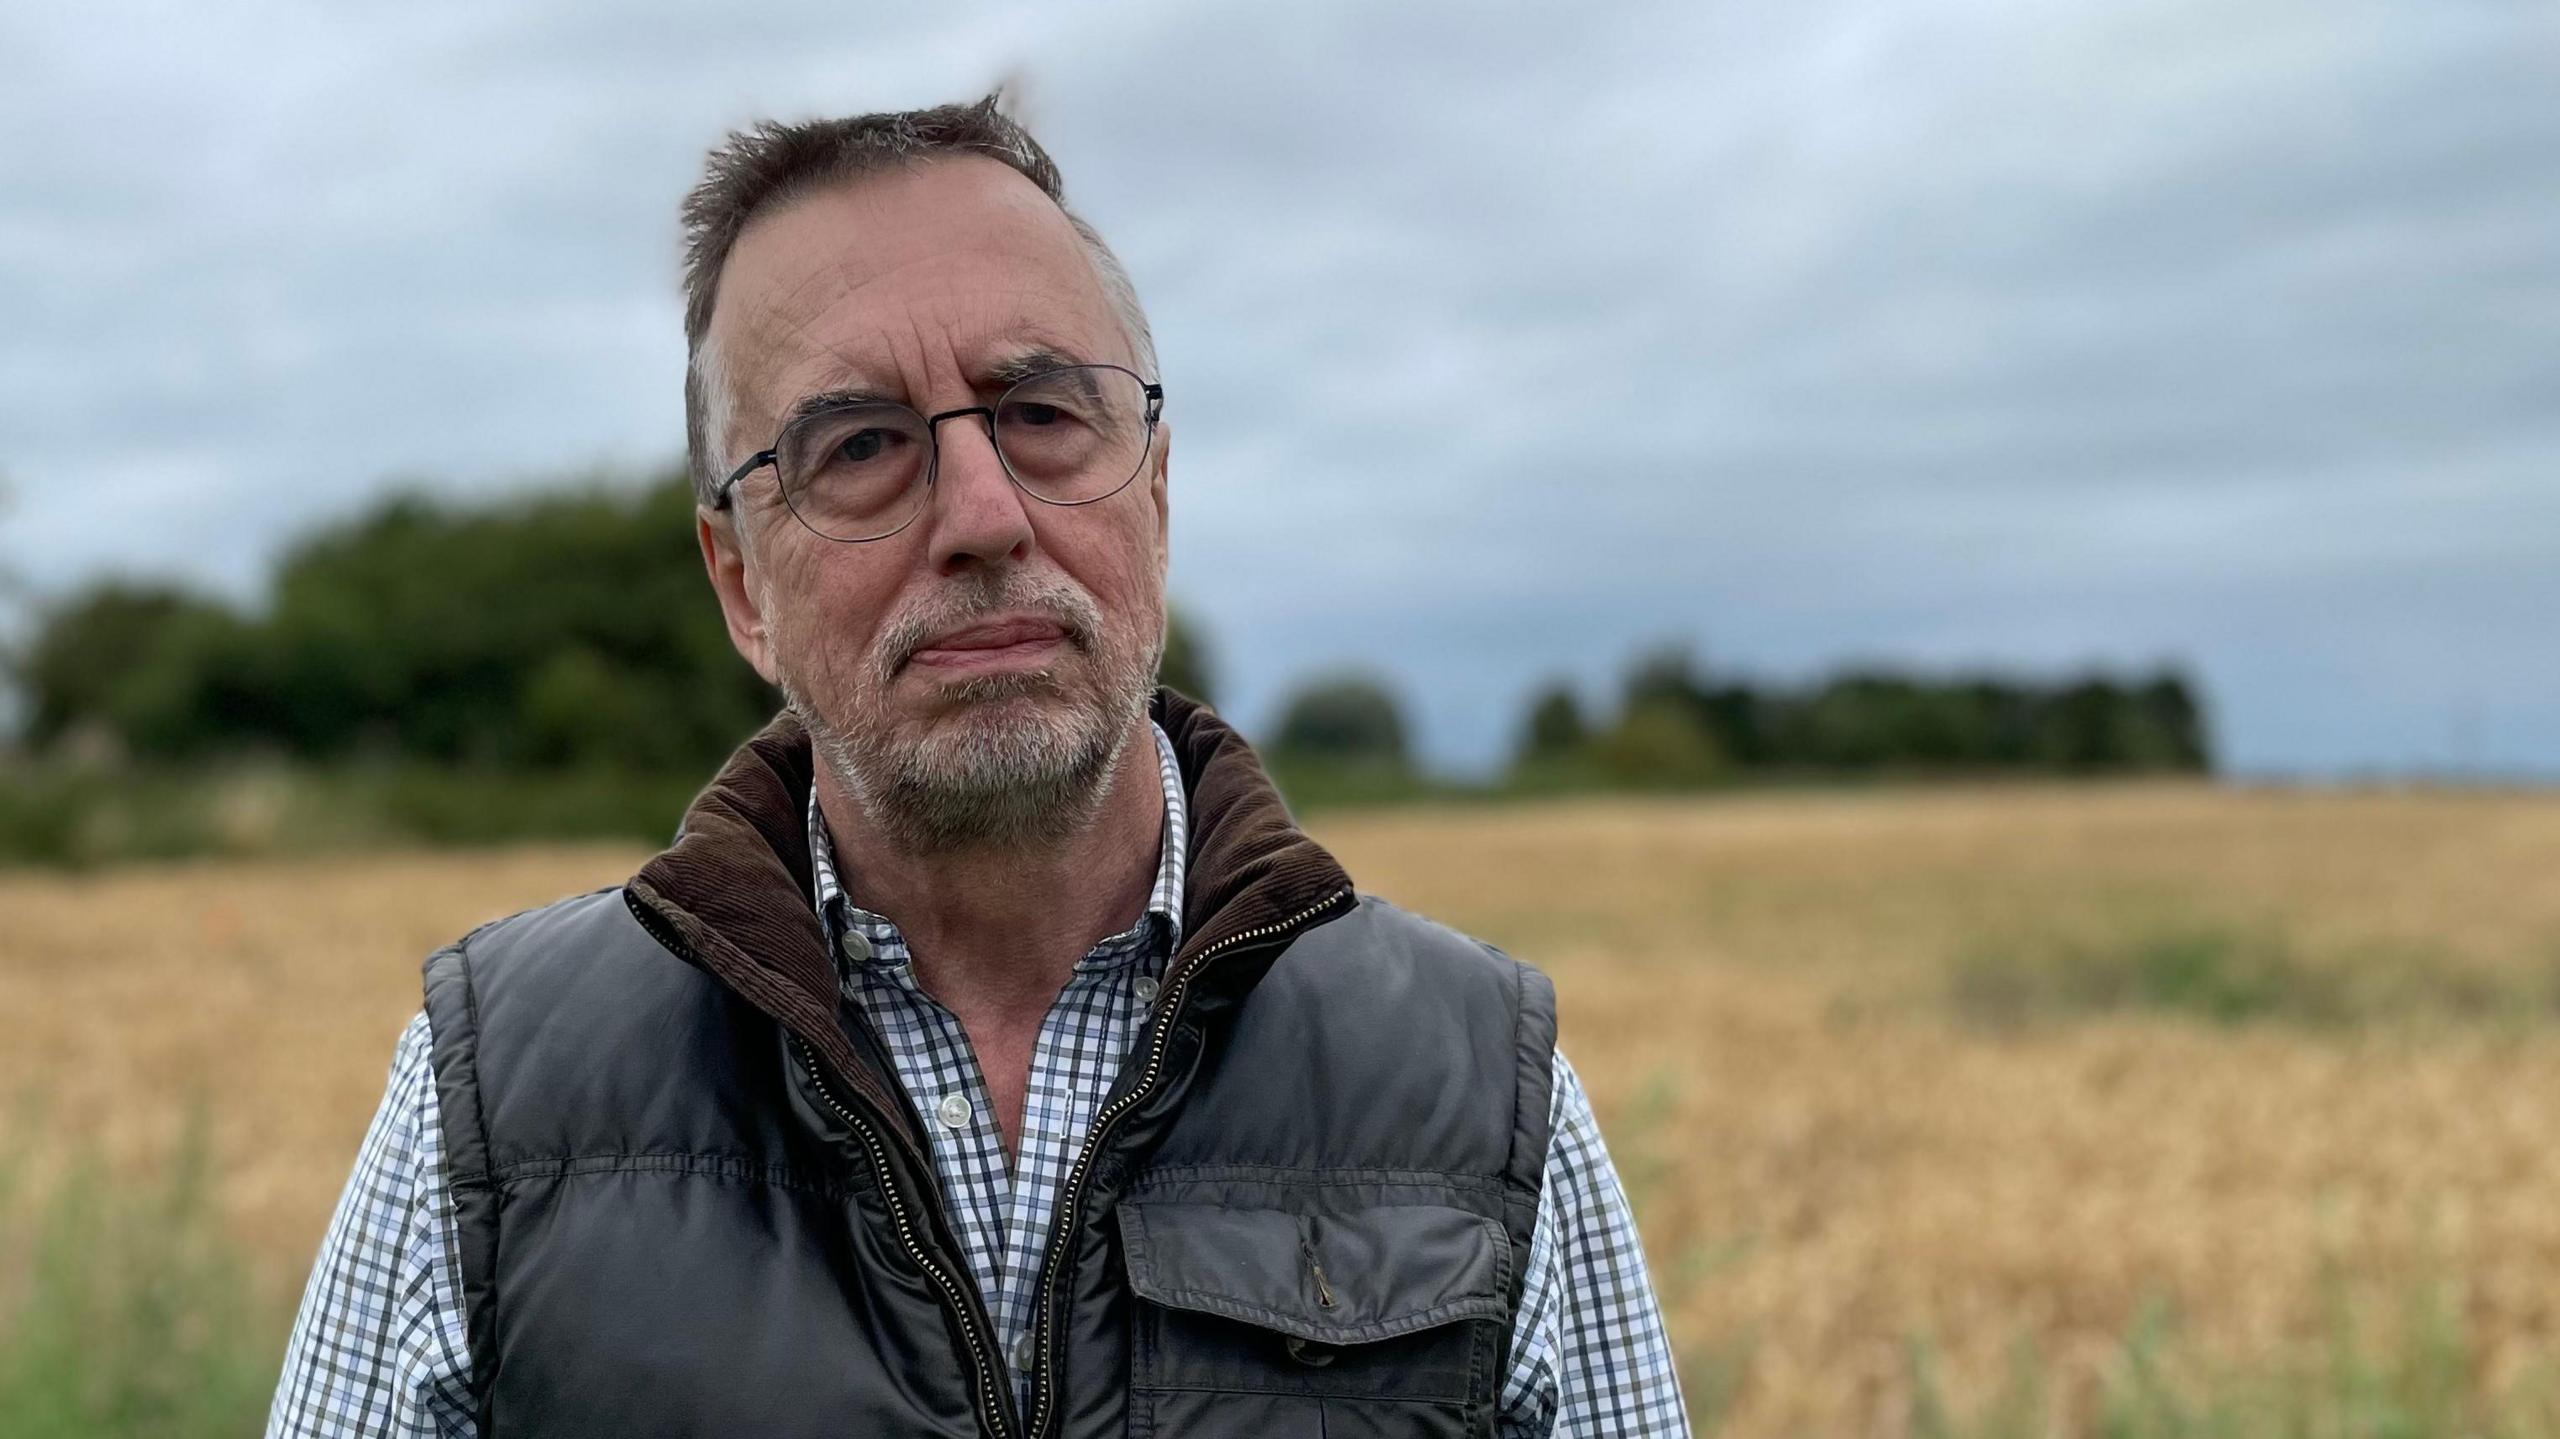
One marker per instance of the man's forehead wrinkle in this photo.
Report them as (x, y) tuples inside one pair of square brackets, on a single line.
[(838, 295), (922, 345), (826, 292), (762, 331), (783, 340)]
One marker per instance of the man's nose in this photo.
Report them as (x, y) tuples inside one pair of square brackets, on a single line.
[(977, 513)]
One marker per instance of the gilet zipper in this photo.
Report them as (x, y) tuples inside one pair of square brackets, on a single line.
[(994, 1400), (996, 1403), (1071, 1193), (995, 1395)]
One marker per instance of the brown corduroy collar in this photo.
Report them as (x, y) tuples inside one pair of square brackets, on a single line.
[(731, 895)]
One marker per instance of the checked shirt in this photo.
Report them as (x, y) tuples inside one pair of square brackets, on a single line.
[(378, 1349)]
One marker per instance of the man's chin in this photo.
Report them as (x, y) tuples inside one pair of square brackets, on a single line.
[(931, 698)]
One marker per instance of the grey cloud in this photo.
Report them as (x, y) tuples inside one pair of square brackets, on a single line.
[(1500, 343)]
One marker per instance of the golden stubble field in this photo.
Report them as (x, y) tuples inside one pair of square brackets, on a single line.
[(1833, 1157)]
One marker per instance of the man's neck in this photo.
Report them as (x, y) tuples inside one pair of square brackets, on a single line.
[(995, 932)]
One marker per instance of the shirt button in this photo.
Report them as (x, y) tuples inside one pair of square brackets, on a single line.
[(953, 1111), (856, 945), (1022, 1353), (1146, 989)]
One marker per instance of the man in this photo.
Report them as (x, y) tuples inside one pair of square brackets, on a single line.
[(989, 1054)]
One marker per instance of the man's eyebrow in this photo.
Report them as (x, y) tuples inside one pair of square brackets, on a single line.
[(811, 404), (1026, 363), (1017, 367)]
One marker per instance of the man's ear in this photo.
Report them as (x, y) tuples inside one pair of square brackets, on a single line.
[(725, 558), (1156, 493)]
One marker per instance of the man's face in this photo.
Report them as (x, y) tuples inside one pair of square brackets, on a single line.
[(925, 286)]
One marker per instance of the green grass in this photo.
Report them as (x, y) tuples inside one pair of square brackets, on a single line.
[(74, 817), (2224, 974), (77, 818), (2396, 1361), (124, 1313), (2401, 1369)]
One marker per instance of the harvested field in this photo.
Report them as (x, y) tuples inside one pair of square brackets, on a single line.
[(1905, 1084)]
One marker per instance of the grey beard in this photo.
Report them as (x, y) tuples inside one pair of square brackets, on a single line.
[(982, 784)]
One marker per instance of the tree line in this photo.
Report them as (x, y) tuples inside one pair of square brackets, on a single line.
[(1675, 726), (573, 631), (568, 630), (1675, 720)]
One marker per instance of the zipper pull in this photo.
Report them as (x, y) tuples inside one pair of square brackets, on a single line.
[(1324, 1291)]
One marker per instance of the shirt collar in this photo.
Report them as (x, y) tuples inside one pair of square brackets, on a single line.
[(836, 910)]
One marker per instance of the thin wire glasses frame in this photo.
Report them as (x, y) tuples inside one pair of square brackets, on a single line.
[(1071, 433)]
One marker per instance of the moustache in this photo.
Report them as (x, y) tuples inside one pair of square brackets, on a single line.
[(1061, 603)]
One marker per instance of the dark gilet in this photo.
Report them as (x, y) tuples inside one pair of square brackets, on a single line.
[(692, 1198)]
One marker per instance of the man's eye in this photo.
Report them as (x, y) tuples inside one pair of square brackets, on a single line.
[(1033, 413), (863, 445)]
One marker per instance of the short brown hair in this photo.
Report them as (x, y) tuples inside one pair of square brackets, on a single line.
[(770, 163)]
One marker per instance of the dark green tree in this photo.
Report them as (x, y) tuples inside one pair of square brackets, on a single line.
[(1875, 719), (1186, 666), (1659, 743), (1348, 718), (13, 656), (1669, 673), (1736, 718), (2169, 707), (571, 629), (2087, 727), (1555, 728), (563, 630), (142, 664)]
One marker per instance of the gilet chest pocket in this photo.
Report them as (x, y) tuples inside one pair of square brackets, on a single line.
[(1375, 1311)]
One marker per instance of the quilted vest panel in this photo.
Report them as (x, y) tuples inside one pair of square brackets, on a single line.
[(1314, 1226)]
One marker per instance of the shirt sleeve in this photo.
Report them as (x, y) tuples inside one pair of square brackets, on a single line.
[(378, 1349), (1588, 1354)]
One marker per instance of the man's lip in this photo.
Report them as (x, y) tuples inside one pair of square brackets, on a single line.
[(995, 634)]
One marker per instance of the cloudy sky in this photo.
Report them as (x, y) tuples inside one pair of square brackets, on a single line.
[(1502, 343)]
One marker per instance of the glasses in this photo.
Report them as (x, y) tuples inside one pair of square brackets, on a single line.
[(860, 471)]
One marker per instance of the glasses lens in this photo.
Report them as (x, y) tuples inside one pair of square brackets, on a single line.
[(1075, 434), (854, 473)]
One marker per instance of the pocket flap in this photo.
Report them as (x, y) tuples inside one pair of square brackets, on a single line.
[(1386, 1269)]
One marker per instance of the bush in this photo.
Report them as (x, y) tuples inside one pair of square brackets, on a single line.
[(1349, 719), (126, 1313), (1555, 729), (1186, 665), (1659, 744), (77, 817)]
